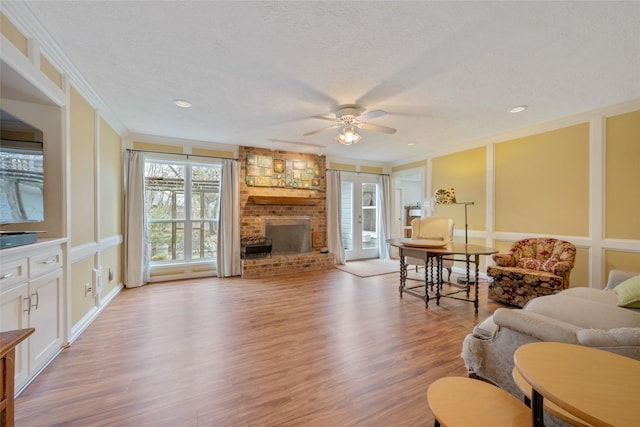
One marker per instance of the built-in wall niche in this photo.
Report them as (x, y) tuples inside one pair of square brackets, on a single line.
[(47, 118)]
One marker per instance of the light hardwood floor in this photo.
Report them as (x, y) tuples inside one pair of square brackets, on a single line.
[(317, 349)]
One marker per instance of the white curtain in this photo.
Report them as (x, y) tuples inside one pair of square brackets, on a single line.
[(334, 235), (136, 245), (385, 215), (229, 221)]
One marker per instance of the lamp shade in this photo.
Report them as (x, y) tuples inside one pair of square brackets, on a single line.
[(444, 196)]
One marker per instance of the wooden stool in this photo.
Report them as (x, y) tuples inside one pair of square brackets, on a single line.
[(549, 406), (463, 402)]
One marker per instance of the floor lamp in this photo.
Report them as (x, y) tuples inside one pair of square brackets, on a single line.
[(447, 196)]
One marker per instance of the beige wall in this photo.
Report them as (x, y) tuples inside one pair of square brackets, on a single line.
[(110, 181), (111, 206), (96, 236), (407, 166), (83, 143), (620, 260), (466, 172), (13, 35), (81, 273), (623, 177), (49, 70), (111, 258), (542, 183)]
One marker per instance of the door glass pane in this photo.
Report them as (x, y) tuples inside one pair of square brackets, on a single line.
[(346, 217), (369, 216)]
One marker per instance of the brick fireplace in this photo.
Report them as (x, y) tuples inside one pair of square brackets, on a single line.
[(283, 204)]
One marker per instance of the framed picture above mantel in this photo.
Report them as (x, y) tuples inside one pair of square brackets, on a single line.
[(268, 171)]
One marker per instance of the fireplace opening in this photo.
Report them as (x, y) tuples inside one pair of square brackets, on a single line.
[(288, 234)]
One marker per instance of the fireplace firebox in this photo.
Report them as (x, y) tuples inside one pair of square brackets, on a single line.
[(288, 234)]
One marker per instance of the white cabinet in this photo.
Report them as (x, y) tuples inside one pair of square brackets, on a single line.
[(31, 295)]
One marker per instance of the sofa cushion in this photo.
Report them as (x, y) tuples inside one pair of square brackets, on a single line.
[(598, 295), (530, 263), (629, 292), (550, 264), (613, 337), (582, 312), (618, 276)]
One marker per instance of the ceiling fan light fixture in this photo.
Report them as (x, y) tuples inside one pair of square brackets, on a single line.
[(348, 136)]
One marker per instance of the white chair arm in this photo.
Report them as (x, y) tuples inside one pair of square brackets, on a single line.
[(536, 325)]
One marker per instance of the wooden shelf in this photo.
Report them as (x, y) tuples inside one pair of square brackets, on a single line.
[(281, 200)]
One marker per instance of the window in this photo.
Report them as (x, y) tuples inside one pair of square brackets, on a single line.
[(182, 204)]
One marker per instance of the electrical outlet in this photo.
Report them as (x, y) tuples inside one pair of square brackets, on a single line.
[(87, 289), (110, 274)]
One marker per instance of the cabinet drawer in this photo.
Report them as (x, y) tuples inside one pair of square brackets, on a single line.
[(12, 272), (45, 262)]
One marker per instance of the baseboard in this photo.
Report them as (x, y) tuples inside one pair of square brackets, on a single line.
[(88, 318)]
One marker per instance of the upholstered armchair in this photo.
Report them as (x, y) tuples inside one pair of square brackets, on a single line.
[(532, 268), (432, 228)]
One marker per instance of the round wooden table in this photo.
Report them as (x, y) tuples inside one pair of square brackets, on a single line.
[(594, 385), (460, 401)]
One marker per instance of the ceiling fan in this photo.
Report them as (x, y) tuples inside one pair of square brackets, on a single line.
[(350, 116)]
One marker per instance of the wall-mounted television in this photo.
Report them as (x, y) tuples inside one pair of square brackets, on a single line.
[(21, 171)]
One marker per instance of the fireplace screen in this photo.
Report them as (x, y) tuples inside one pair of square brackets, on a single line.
[(288, 234)]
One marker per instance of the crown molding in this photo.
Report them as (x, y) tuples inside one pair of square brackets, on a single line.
[(26, 21)]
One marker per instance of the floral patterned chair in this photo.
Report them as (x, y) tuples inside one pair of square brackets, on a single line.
[(532, 268)]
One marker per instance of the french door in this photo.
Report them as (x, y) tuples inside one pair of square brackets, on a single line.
[(360, 216)]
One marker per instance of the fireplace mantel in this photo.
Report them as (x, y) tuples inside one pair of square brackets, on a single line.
[(283, 200)]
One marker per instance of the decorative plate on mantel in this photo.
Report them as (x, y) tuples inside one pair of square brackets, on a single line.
[(423, 243)]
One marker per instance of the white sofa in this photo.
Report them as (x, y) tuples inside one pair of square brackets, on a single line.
[(583, 316)]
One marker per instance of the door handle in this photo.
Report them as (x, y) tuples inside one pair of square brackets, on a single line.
[(35, 293), (28, 309)]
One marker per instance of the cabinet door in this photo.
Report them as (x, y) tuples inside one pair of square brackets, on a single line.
[(13, 315), (46, 317)]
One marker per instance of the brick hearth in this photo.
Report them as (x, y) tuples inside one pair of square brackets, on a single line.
[(253, 268)]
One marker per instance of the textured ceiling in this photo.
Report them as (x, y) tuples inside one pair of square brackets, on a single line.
[(445, 72)]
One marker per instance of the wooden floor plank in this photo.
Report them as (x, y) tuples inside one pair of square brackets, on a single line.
[(319, 349)]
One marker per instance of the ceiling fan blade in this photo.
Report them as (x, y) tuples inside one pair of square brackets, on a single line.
[(371, 126), (313, 132), (331, 119), (372, 114)]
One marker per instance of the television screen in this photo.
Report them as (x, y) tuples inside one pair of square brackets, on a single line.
[(21, 172)]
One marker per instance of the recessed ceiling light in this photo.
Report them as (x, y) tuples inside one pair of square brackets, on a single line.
[(518, 109), (411, 143), (182, 103)]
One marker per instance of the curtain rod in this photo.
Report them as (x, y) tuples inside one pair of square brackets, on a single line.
[(358, 172), (183, 154)]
